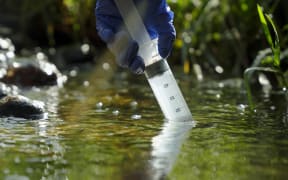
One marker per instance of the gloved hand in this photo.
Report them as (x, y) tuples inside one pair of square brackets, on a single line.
[(158, 20)]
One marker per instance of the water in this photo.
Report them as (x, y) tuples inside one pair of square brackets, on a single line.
[(103, 125)]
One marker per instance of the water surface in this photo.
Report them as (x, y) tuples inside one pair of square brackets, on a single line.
[(106, 124)]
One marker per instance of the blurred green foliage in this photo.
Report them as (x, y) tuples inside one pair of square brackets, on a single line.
[(223, 33), (49, 22), (82, 13), (210, 33)]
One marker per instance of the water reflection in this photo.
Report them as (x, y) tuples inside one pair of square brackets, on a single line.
[(166, 146), (35, 146)]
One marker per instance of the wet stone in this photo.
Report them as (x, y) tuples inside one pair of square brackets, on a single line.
[(34, 72), (21, 107)]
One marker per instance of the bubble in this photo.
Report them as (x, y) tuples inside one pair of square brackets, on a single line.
[(116, 112), (40, 56), (134, 104), (73, 73), (85, 48), (273, 108), (219, 69), (99, 105), (106, 66), (241, 107), (86, 83), (136, 117)]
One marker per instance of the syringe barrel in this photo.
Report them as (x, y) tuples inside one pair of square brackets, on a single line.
[(167, 92)]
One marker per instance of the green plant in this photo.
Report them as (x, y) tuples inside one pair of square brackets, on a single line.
[(271, 65), (215, 34)]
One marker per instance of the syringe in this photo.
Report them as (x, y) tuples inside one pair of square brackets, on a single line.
[(157, 70)]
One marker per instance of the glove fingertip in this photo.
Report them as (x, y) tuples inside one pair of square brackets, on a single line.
[(137, 66), (164, 53), (165, 45), (106, 35)]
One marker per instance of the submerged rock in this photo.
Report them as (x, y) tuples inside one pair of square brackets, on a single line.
[(21, 107), (27, 72), (33, 70)]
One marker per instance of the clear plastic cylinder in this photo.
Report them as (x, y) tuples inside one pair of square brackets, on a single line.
[(158, 73), (168, 94)]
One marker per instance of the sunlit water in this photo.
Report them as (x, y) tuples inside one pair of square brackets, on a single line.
[(106, 125)]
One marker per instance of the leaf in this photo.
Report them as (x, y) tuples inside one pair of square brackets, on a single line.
[(276, 49), (265, 26), (274, 43), (268, 60)]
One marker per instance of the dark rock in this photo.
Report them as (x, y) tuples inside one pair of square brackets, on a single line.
[(2, 94), (21, 107), (14, 105), (33, 72)]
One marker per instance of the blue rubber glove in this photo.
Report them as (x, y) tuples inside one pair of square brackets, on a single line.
[(158, 20)]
